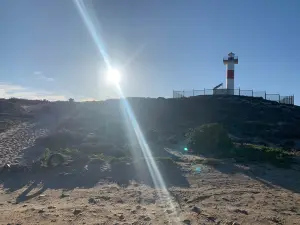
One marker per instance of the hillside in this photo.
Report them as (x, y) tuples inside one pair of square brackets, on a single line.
[(99, 168), (249, 119)]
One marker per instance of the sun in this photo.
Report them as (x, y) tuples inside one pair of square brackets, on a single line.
[(113, 76)]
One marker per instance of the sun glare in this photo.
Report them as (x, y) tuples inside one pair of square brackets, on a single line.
[(113, 76)]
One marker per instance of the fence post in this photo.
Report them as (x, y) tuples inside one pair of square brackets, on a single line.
[(239, 91), (183, 94), (252, 93), (173, 94), (279, 99), (193, 92), (204, 91), (265, 95)]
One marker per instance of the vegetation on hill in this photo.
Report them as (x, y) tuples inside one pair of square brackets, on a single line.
[(103, 127), (213, 140), (210, 139)]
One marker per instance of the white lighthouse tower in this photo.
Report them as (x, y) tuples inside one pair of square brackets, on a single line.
[(229, 61)]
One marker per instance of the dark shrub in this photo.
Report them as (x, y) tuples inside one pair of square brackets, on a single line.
[(55, 160), (275, 156), (61, 139), (210, 138)]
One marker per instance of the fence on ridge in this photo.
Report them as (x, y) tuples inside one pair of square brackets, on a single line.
[(250, 93)]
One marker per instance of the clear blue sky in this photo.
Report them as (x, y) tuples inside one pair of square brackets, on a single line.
[(46, 50)]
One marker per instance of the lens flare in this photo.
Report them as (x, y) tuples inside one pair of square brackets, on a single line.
[(113, 76)]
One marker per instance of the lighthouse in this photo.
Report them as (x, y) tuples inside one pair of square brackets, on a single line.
[(229, 61)]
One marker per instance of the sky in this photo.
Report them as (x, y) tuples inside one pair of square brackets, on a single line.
[(46, 50)]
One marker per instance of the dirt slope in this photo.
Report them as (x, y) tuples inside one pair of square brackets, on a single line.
[(212, 192), (226, 194)]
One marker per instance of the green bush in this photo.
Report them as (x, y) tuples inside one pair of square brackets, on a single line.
[(55, 159), (209, 138), (258, 153), (44, 158)]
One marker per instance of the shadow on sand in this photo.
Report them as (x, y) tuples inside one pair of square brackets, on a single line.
[(270, 176), (81, 176)]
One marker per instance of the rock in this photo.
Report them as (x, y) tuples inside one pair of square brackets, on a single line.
[(189, 201), (63, 195), (150, 201), (92, 201), (120, 201), (169, 211), (241, 211), (147, 218), (138, 207), (51, 207), (24, 205), (196, 209), (232, 223), (133, 211), (41, 211), (187, 222), (211, 218), (77, 211), (121, 217)]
